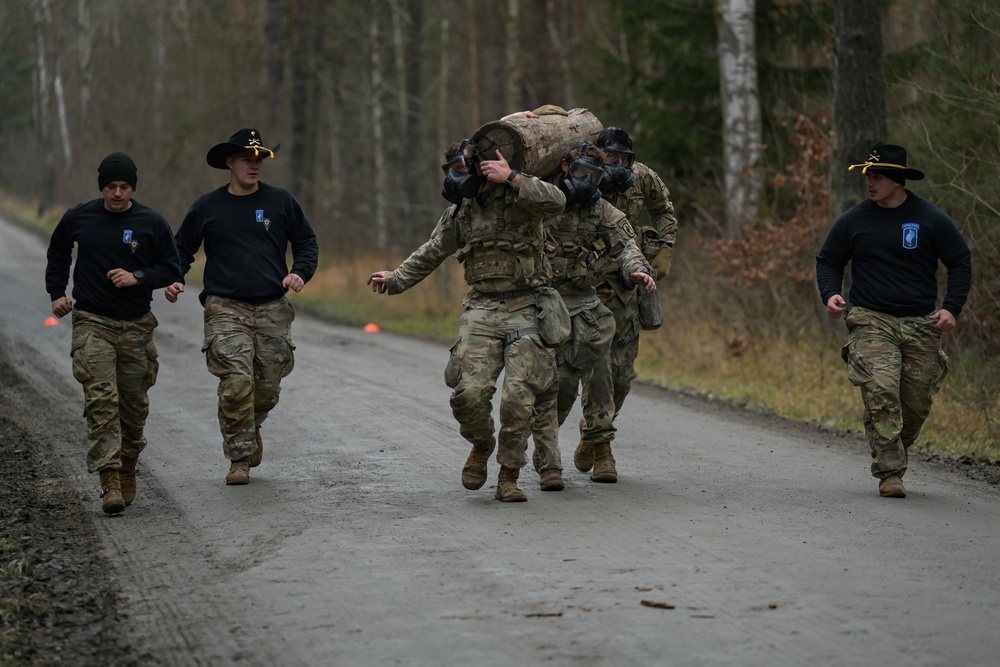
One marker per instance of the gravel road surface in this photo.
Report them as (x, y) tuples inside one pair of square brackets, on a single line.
[(730, 539)]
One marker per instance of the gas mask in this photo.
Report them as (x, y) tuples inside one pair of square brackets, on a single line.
[(461, 181), (618, 176), (581, 182)]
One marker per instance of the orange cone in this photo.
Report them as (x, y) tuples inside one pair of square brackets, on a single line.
[(51, 321), (371, 327)]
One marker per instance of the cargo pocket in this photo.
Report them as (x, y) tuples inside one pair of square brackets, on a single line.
[(453, 370), (592, 333), (936, 386), (82, 370), (536, 363), (288, 357), (208, 348), (857, 370), (153, 368), (552, 317)]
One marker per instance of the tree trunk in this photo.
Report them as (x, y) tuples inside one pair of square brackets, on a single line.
[(65, 139), (276, 55), (740, 111), (301, 166), (378, 143), (85, 49), (475, 94), (515, 73), (42, 15), (858, 94), (536, 145), (159, 72), (559, 48)]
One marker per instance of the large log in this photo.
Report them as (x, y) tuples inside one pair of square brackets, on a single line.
[(536, 145)]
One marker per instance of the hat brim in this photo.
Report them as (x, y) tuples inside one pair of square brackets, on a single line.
[(908, 174), (217, 155)]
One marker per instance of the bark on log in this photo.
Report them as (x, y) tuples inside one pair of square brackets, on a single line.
[(536, 145)]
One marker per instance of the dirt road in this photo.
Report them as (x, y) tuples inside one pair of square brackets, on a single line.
[(355, 544)]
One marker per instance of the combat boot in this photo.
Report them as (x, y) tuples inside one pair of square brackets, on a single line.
[(474, 472), (552, 480), (892, 487), (239, 472), (126, 477), (507, 490), (258, 454), (604, 464), (583, 457), (111, 492)]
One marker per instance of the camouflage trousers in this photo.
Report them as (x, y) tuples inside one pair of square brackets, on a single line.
[(620, 367), (490, 341), (579, 360), (249, 348), (898, 364), (116, 362)]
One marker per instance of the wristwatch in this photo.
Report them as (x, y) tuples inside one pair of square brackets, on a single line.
[(513, 175), (140, 276)]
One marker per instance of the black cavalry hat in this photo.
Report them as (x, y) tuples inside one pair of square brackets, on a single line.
[(890, 160), (247, 139)]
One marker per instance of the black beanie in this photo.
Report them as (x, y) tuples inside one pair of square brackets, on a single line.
[(116, 167)]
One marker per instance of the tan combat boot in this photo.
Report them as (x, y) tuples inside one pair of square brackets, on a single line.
[(239, 472), (892, 487), (583, 457), (552, 480), (111, 492), (258, 454), (604, 464), (507, 490), (474, 472), (126, 477)]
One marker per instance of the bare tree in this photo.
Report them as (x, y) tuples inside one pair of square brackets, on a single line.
[(475, 86), (444, 78), (858, 93), (560, 48), (159, 72), (740, 110), (85, 49), (515, 72), (42, 15), (378, 141)]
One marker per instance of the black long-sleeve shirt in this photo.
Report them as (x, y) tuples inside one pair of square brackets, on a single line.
[(138, 238), (894, 254), (246, 240)]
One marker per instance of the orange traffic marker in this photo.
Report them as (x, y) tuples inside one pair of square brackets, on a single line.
[(371, 328), (51, 321)]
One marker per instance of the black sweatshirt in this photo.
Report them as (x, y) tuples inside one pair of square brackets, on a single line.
[(894, 255), (138, 238), (246, 239)]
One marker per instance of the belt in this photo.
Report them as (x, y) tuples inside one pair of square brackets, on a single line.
[(519, 334), (626, 339), (514, 293)]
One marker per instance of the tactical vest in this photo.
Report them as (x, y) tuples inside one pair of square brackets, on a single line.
[(502, 244), (581, 257)]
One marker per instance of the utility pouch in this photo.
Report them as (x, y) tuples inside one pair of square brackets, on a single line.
[(650, 309), (592, 333), (552, 316)]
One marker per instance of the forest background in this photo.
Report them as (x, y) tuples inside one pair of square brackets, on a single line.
[(750, 111)]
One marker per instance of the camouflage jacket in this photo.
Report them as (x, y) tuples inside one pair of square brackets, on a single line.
[(498, 236), (591, 245), (648, 194)]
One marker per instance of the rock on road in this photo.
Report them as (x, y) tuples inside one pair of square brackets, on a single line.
[(355, 543)]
